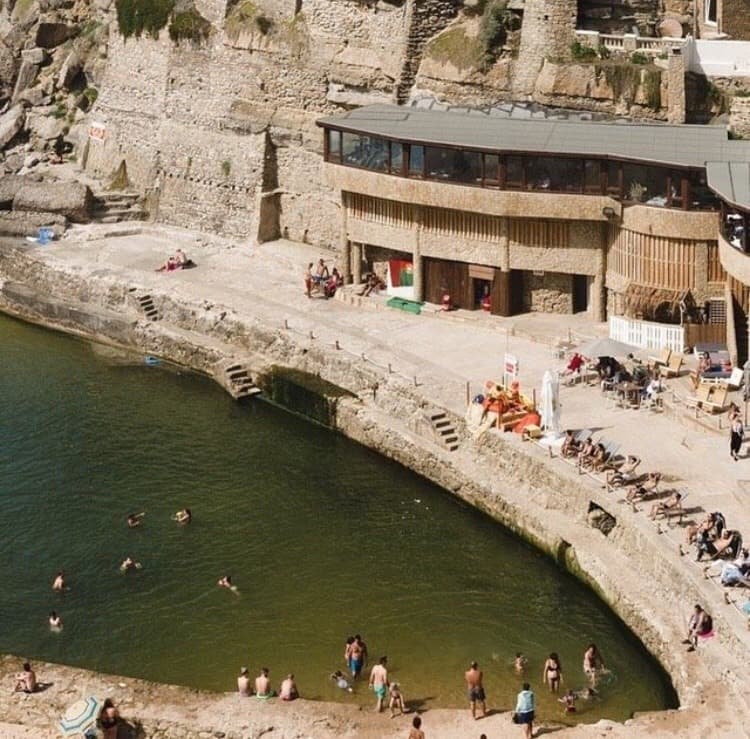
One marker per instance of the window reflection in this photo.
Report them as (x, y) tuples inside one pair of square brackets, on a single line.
[(365, 151), (491, 169), (397, 158), (416, 160), (514, 173)]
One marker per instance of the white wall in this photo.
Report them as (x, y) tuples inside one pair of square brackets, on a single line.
[(718, 58)]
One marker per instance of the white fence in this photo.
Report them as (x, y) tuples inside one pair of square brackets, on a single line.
[(629, 42), (646, 334), (718, 58)]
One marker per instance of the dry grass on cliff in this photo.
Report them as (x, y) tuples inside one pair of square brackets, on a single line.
[(456, 47)]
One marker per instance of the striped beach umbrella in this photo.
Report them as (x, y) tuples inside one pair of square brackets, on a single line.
[(80, 716)]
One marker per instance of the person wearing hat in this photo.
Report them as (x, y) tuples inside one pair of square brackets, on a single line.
[(243, 682)]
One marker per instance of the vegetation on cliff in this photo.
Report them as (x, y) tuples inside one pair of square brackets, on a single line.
[(189, 25), (138, 17), (245, 17)]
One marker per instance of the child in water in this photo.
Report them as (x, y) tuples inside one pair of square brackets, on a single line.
[(569, 701), (341, 681), (397, 700), (520, 663)]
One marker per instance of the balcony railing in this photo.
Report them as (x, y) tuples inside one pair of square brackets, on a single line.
[(629, 42)]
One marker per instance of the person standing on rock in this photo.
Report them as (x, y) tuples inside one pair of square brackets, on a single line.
[(379, 682), (475, 689)]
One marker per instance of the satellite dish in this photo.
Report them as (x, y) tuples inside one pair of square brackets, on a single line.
[(671, 28)]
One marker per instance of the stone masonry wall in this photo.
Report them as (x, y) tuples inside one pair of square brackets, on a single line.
[(550, 292), (739, 117)]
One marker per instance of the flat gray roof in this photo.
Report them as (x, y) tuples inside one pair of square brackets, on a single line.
[(680, 145), (731, 181)]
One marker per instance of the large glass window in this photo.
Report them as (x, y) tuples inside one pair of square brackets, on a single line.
[(701, 198), (438, 163), (397, 158), (334, 145), (592, 176), (467, 167), (365, 151), (416, 161), (514, 173), (491, 170), (645, 184), (613, 171), (556, 174)]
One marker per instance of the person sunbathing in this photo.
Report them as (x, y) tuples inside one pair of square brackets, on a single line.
[(626, 473), (587, 450), (727, 545), (672, 503), (639, 492), (702, 531), (596, 460), (570, 446)]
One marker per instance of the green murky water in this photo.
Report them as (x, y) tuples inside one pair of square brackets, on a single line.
[(323, 539)]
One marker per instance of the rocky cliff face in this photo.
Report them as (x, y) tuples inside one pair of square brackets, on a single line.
[(208, 107)]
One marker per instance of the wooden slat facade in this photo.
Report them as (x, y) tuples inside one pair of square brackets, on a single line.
[(653, 260), (716, 272)]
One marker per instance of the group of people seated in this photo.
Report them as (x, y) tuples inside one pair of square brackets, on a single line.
[(322, 280), (178, 260)]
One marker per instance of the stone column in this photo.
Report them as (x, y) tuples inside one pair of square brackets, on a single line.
[(345, 248), (417, 260), (598, 292), (356, 262), (739, 117), (676, 87)]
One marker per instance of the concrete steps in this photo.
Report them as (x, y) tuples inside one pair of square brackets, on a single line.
[(444, 430), (147, 307), (239, 383), (114, 207)]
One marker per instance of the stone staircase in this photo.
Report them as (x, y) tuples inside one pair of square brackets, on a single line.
[(117, 206), (238, 382), (426, 18), (147, 307), (444, 430)]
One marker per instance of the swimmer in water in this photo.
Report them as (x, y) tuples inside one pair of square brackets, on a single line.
[(129, 564), (520, 663), (55, 622), (226, 582), (58, 584), (183, 517), (341, 681), (134, 519), (569, 701)]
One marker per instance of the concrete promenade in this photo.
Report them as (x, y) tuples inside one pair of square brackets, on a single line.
[(438, 355)]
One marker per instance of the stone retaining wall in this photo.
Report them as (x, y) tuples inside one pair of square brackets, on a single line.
[(546, 502)]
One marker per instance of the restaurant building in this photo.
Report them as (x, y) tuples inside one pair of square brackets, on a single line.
[(614, 219)]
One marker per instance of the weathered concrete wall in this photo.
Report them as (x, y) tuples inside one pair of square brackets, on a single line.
[(739, 117)]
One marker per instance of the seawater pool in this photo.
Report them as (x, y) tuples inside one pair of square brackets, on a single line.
[(322, 537)]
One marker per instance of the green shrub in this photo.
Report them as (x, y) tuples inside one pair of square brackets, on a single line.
[(226, 167), (91, 94), (494, 25), (581, 52), (136, 17), (638, 57), (652, 88), (189, 25), (742, 94), (603, 52), (60, 111), (246, 17)]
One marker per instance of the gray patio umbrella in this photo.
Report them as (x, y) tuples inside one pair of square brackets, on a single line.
[(605, 347)]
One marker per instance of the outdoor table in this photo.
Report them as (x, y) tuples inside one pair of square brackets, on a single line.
[(631, 392)]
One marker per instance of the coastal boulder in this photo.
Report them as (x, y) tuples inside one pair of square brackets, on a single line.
[(49, 35), (11, 123), (9, 186), (70, 199), (17, 223)]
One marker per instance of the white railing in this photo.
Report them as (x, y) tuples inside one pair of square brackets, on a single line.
[(628, 42), (646, 334)]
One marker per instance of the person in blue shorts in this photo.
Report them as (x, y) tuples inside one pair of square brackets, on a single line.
[(524, 713)]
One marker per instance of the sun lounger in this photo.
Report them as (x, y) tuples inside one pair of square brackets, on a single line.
[(677, 511), (709, 398), (673, 367), (661, 359)]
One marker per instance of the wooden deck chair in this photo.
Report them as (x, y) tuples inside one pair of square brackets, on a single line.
[(661, 359), (701, 396), (717, 398), (673, 367)]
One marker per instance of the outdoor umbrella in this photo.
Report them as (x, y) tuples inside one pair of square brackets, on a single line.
[(80, 716), (606, 348), (550, 407)]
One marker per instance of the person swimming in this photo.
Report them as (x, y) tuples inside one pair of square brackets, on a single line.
[(183, 516), (55, 622), (520, 663), (58, 584), (134, 519), (341, 681), (226, 582), (129, 564)]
